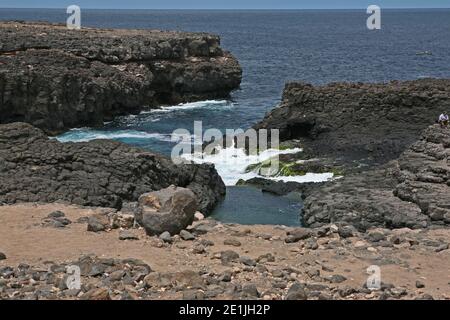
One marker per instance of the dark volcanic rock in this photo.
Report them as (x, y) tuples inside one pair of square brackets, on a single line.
[(168, 210), (297, 234), (55, 78), (34, 168), (371, 123), (412, 191)]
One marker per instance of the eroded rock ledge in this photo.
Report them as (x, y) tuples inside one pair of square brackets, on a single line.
[(412, 191), (358, 123), (57, 79), (371, 134), (34, 168)]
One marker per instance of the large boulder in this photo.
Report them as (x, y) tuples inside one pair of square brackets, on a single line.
[(171, 209)]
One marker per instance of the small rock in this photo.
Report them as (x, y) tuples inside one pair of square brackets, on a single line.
[(117, 275), (296, 292), (186, 235), (56, 214), (157, 280), (206, 243), (232, 242), (250, 290), (166, 237), (226, 276), (346, 231), (337, 278), (420, 284), (2, 256), (268, 257), (375, 236), (198, 216), (198, 249), (193, 295), (127, 235), (228, 256), (261, 268), (346, 291), (97, 223), (247, 261), (298, 234), (396, 239), (96, 294)]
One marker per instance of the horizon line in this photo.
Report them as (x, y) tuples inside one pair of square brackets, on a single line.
[(255, 9)]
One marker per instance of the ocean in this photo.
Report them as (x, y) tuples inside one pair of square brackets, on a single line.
[(273, 47)]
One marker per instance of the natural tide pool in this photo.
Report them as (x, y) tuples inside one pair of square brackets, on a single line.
[(249, 206)]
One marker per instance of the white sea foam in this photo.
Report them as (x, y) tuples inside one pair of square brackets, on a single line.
[(191, 105), (84, 134), (231, 164)]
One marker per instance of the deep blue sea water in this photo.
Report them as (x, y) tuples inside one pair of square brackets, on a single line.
[(316, 46)]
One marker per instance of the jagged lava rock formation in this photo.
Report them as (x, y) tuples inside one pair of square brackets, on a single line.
[(103, 173), (366, 123), (55, 78), (412, 191)]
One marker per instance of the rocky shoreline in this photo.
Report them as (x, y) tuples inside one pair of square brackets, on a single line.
[(102, 173), (57, 79), (134, 222), (212, 260), (357, 125), (412, 191), (395, 166)]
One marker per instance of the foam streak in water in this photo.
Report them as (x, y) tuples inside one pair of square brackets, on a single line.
[(86, 134), (231, 164), (191, 105)]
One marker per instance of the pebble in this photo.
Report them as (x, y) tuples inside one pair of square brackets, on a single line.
[(232, 242), (296, 292), (166, 237), (186, 235), (247, 261), (127, 235), (250, 289), (228, 256), (420, 284)]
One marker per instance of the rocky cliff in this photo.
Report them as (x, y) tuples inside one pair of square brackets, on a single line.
[(371, 134), (367, 123), (55, 78), (35, 168), (412, 191)]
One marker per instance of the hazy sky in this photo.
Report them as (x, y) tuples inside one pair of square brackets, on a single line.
[(225, 4)]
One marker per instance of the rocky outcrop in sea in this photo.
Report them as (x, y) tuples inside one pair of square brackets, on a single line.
[(56, 79), (395, 166), (101, 173), (412, 191), (358, 124)]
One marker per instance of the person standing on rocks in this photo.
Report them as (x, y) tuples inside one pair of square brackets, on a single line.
[(443, 120)]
